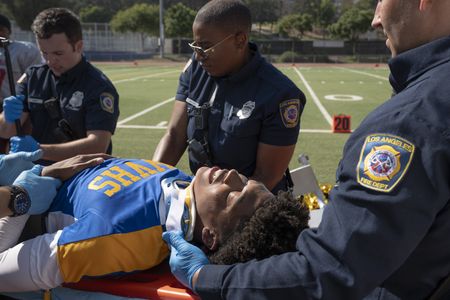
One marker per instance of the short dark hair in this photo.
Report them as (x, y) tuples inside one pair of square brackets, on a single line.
[(272, 230), (57, 20), (232, 15), (4, 22)]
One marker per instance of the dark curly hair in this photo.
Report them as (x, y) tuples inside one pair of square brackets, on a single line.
[(57, 20), (273, 229)]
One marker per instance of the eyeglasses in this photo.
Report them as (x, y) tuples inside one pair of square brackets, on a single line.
[(205, 53)]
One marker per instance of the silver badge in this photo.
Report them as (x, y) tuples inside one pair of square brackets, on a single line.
[(246, 110), (76, 101)]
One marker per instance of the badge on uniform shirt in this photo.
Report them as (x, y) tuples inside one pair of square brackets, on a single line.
[(289, 110), (107, 102), (246, 110), (76, 101), (384, 161)]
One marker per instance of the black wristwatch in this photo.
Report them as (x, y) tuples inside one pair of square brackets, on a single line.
[(19, 201)]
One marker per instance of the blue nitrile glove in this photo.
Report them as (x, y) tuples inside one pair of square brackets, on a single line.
[(41, 189), (23, 143), (13, 107), (11, 165), (185, 258)]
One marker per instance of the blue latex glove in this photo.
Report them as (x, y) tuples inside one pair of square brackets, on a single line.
[(23, 143), (185, 258), (41, 189), (13, 107), (12, 165)]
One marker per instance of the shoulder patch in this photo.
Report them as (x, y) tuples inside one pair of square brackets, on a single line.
[(188, 64), (384, 161), (107, 102), (290, 112)]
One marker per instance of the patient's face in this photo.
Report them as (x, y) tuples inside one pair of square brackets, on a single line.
[(224, 198)]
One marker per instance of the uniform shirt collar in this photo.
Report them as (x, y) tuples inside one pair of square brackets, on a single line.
[(75, 72), (409, 65), (249, 69)]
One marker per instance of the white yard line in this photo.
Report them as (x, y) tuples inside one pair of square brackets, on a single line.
[(145, 76), (316, 100), (165, 127), (141, 127), (316, 130), (363, 73), (145, 111)]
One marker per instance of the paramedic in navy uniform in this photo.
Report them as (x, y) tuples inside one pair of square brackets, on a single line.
[(66, 105), (385, 233), (231, 103)]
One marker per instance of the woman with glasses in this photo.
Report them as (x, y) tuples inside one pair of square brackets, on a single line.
[(233, 109)]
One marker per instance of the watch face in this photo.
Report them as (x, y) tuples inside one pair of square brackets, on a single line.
[(21, 204)]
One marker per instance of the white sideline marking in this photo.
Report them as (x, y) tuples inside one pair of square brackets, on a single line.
[(141, 127), (145, 76), (363, 73), (159, 126), (316, 100), (145, 111)]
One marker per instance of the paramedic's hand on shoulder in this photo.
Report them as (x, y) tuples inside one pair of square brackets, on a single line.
[(23, 143), (11, 165), (13, 108), (69, 167), (41, 189), (185, 258)]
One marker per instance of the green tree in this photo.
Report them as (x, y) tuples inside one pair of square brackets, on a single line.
[(264, 11), (323, 13), (4, 10), (295, 25), (24, 11), (95, 14), (178, 21), (351, 24), (367, 4), (140, 18)]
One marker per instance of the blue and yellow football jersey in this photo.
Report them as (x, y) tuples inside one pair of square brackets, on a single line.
[(119, 211)]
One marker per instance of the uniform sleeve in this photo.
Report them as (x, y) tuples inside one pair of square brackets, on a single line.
[(184, 81), (365, 236), (102, 110), (281, 125)]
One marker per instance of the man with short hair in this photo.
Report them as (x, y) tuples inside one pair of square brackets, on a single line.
[(384, 233), (109, 218), (232, 109), (67, 106)]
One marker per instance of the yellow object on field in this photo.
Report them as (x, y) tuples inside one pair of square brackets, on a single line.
[(47, 295)]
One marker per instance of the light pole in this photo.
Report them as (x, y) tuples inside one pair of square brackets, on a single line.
[(161, 28)]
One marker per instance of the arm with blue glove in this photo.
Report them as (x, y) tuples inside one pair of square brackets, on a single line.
[(12, 111), (11, 165), (33, 190), (23, 143), (40, 189), (30, 193), (186, 260)]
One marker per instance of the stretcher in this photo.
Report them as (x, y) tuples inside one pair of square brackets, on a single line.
[(155, 283)]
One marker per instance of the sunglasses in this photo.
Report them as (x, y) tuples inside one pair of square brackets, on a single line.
[(205, 53)]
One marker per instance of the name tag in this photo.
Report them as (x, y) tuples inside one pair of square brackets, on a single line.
[(35, 100)]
